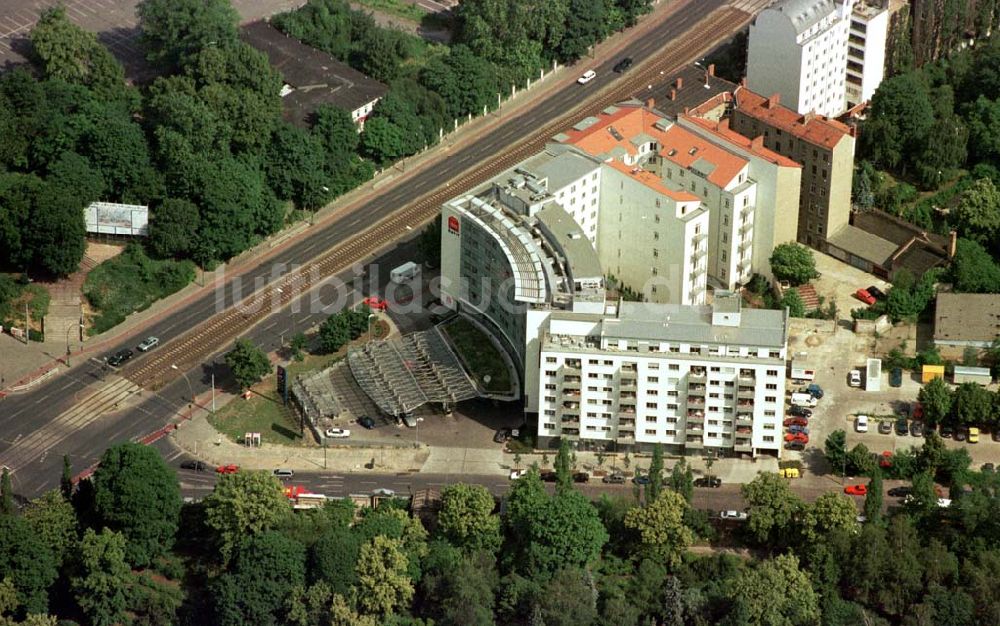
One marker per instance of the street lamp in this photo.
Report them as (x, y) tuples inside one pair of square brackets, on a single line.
[(190, 388), (370, 316), (68, 351)]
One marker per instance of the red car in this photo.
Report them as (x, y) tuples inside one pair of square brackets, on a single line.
[(886, 459), (227, 469), (864, 296), (918, 411), (796, 421), (856, 490), (375, 303), (799, 437)]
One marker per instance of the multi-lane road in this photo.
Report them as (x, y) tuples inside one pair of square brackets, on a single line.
[(37, 428)]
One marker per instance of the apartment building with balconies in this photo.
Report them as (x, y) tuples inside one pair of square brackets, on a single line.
[(866, 49), (692, 378), (798, 49)]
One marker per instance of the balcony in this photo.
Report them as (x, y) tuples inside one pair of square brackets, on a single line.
[(743, 421), (627, 401), (696, 402), (743, 445), (694, 429), (627, 383), (697, 390), (747, 377), (573, 433), (747, 210), (625, 413), (623, 440), (746, 227), (570, 419), (626, 421), (742, 430), (694, 442), (695, 414), (746, 393), (696, 375), (697, 255)]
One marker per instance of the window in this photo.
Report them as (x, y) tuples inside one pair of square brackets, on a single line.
[(650, 431), (550, 359), (550, 386), (550, 372), (770, 399), (650, 405)]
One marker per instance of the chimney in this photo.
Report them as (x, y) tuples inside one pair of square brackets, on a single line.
[(680, 82), (808, 117), (707, 75), (757, 143), (650, 102), (953, 240), (773, 100), (743, 82), (711, 69), (673, 94)]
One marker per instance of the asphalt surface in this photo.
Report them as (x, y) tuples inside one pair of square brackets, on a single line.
[(35, 470)]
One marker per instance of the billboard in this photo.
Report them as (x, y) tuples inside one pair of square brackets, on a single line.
[(106, 218)]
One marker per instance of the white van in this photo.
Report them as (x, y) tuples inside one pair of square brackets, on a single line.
[(404, 273), (803, 399)]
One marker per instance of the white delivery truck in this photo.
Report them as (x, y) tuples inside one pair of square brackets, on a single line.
[(802, 370), (405, 273), (803, 399)]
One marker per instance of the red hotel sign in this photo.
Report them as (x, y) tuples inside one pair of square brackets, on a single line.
[(453, 224)]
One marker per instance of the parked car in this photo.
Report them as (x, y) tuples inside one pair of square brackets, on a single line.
[(946, 432), (337, 433), (864, 296), (813, 390), (148, 344), (614, 479), (375, 303), (622, 66), (902, 427), (854, 378), (227, 469), (795, 428), (712, 482), (120, 357), (382, 491), (798, 446), (973, 435), (885, 459), (875, 292), (856, 490), (581, 477), (800, 411), (995, 434), (885, 427), (197, 466), (641, 480), (960, 434), (548, 477), (803, 399), (987, 467), (800, 437), (588, 76), (366, 422), (896, 377), (515, 474), (502, 435), (796, 421), (900, 492), (861, 424), (916, 429), (738, 516), (916, 410), (283, 473)]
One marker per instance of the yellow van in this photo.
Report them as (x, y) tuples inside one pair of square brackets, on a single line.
[(789, 472), (973, 435)]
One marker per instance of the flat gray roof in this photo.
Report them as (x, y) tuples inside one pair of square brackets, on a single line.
[(864, 244), (580, 254), (560, 164), (967, 317)]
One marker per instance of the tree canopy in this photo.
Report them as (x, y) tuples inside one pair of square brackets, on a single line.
[(794, 263)]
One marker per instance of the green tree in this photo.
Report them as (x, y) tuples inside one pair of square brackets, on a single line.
[(295, 165), (660, 525), (243, 505), (334, 557), (562, 465), (342, 614), (873, 499), (6, 494), (466, 82), (430, 243), (116, 145), (682, 480), (383, 585), (864, 184), (794, 263), (336, 133), (586, 24), (983, 117), (977, 214), (102, 586), (248, 363), (52, 518), (175, 30), (267, 568), (973, 269), (66, 480), (568, 599), (655, 484), (775, 593), (829, 512), (27, 561), (773, 507), (835, 450), (935, 397), (298, 345), (67, 52), (903, 579), (466, 518), (793, 302), (136, 493), (899, 119), (461, 586), (859, 460), (972, 404), (170, 231)]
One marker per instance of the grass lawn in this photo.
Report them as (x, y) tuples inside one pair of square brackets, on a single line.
[(479, 355), (260, 414)]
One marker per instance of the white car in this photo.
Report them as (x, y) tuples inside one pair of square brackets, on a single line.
[(382, 491), (733, 515), (855, 379), (337, 433), (861, 424), (588, 76), (515, 474), (148, 344)]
